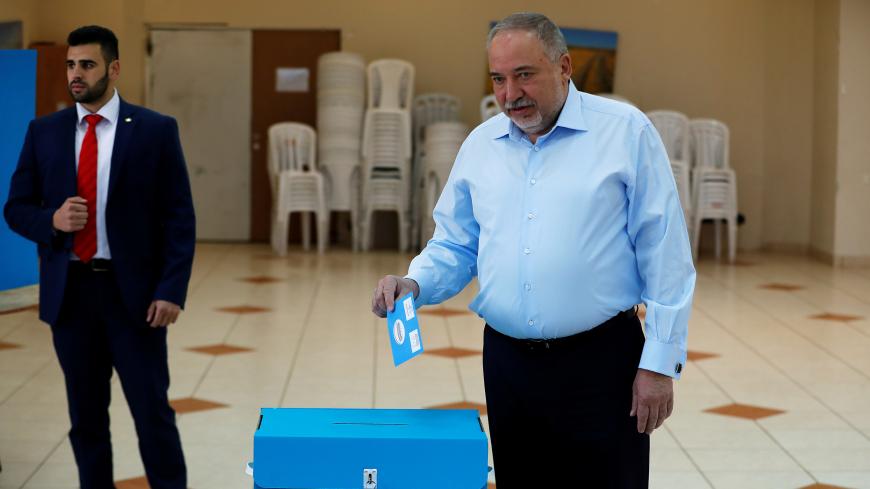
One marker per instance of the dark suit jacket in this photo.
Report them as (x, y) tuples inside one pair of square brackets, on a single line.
[(149, 211)]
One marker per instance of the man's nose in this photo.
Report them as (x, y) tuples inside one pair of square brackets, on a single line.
[(513, 91)]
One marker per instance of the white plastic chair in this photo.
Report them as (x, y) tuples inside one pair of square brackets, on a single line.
[(714, 183), (296, 184), (341, 102), (386, 179), (488, 107), (429, 108), (673, 127), (681, 177), (390, 84), (443, 140), (716, 199)]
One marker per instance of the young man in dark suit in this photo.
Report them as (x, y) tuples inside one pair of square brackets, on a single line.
[(102, 189)]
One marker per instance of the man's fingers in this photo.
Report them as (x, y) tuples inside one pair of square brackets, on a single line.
[(78, 208), (378, 305), (652, 420), (77, 200), (670, 409), (390, 294), (642, 417), (633, 404), (663, 415), (151, 309)]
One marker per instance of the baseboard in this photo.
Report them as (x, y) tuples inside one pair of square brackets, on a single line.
[(787, 248), (841, 261)]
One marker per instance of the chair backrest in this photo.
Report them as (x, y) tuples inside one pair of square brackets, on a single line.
[(292, 147), (709, 143), (488, 107), (681, 177), (341, 70), (386, 141), (391, 84), (673, 127), (435, 107), (716, 193)]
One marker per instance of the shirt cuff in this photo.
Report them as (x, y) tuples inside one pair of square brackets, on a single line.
[(425, 296), (664, 358)]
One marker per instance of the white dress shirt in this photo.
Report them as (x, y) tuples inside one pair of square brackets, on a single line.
[(105, 144)]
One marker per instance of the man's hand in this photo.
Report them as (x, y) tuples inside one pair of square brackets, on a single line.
[(652, 400), (162, 314), (71, 216), (389, 288)]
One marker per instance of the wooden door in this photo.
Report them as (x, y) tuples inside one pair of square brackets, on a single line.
[(51, 86), (289, 51)]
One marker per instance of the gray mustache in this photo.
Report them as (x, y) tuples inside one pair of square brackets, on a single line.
[(518, 104)]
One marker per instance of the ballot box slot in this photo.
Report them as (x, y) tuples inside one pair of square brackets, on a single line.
[(478, 422), (260, 422), (372, 424)]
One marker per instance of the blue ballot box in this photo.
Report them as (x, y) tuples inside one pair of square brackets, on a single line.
[(369, 449)]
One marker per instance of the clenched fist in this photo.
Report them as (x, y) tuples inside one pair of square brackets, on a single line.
[(71, 216)]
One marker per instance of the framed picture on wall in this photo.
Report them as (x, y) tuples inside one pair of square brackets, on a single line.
[(10, 35)]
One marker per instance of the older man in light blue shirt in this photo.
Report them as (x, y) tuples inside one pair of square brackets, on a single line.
[(565, 208)]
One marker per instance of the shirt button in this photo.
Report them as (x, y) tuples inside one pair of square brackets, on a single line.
[(537, 148), (533, 181), (528, 286), (527, 251), (531, 322), (531, 215)]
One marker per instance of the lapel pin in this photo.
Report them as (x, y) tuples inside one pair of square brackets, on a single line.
[(129, 119)]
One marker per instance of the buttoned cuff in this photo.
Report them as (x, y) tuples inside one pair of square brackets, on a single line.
[(664, 358)]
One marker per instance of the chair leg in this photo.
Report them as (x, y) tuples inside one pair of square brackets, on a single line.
[(403, 231), (322, 231), (717, 232), (305, 217), (696, 236), (364, 228), (279, 236), (732, 239)]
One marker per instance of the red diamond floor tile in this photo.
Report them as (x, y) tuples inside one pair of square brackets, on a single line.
[(221, 349), (243, 309), (453, 352), (261, 279), (782, 287), (443, 312), (188, 405), (830, 316), (694, 356), (744, 411), (481, 408), (8, 346)]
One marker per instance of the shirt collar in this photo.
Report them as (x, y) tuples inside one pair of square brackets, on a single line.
[(109, 111), (571, 117)]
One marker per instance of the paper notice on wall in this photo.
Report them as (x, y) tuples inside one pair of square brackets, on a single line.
[(291, 80)]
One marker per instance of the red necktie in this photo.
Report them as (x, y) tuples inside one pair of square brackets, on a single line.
[(85, 241)]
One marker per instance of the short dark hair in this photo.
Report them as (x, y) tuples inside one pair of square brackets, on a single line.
[(95, 34)]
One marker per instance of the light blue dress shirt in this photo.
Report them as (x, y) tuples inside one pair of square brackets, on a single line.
[(566, 233)]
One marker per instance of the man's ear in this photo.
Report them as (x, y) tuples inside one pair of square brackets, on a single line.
[(114, 69), (565, 66)]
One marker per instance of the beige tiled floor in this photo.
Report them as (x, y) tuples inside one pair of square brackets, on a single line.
[(316, 344)]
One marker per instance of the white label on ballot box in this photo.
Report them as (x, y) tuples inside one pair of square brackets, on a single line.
[(404, 331)]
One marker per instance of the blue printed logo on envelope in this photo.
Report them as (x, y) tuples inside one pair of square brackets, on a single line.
[(404, 331)]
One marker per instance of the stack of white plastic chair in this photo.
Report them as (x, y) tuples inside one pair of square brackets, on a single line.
[(296, 184), (673, 127), (442, 143), (341, 99), (714, 183), (428, 108), (386, 173), (488, 107)]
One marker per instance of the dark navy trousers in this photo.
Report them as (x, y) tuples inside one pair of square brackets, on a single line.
[(93, 334), (559, 412)]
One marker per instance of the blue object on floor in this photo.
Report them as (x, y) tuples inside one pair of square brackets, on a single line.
[(298, 448)]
